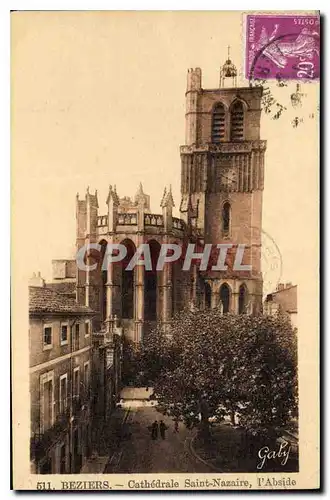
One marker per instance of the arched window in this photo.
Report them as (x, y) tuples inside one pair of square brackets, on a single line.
[(218, 123), (225, 297), (127, 282), (242, 300), (151, 283), (208, 295), (237, 122), (226, 217)]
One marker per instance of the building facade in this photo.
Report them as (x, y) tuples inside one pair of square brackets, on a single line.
[(106, 354), (222, 179), (60, 334), (283, 300)]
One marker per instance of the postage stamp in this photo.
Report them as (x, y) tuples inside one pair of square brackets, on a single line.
[(161, 338), (282, 47)]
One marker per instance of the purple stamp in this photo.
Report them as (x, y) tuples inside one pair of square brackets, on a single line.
[(282, 47)]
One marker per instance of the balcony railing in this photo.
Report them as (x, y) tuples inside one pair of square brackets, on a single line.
[(102, 221), (127, 219), (153, 220), (131, 219), (178, 224)]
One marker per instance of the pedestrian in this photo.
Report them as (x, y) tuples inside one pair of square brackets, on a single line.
[(176, 426), (154, 430), (162, 429)]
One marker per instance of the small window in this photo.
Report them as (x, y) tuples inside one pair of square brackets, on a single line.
[(48, 337), (87, 328), (64, 334)]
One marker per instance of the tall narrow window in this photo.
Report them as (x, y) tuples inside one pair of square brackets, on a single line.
[(127, 293), (225, 297), (47, 401), (151, 280), (208, 296), (63, 393), (76, 402), (86, 374), (127, 282), (76, 382), (218, 123), (226, 217), (242, 300), (237, 122), (150, 296), (76, 337)]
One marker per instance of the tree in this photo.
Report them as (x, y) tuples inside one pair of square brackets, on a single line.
[(130, 370), (212, 365)]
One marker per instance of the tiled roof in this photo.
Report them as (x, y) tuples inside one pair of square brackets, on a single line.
[(45, 300), (67, 288)]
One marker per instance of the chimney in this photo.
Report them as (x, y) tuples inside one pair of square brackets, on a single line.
[(37, 280), (280, 287)]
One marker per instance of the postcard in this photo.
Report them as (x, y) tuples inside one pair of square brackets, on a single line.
[(165, 299)]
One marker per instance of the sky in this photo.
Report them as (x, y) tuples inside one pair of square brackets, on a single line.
[(98, 98)]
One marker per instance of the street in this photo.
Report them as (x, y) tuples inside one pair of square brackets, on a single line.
[(138, 453)]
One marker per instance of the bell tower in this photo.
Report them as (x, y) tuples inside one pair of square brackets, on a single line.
[(222, 180)]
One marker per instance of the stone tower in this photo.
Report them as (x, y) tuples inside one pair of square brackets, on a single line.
[(222, 180)]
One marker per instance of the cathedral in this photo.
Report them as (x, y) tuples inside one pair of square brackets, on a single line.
[(222, 179)]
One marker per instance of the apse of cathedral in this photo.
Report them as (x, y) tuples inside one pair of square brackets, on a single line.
[(222, 179)]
